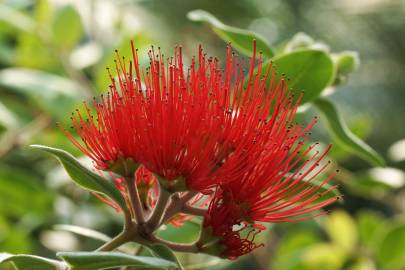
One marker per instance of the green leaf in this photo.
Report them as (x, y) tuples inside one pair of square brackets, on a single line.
[(324, 256), (83, 232), (189, 232), (347, 62), (30, 262), (342, 133), (240, 39), (16, 19), (83, 176), (52, 92), (67, 27), (370, 225), (164, 252), (105, 260), (377, 182), (16, 185), (7, 118), (391, 249), (309, 70), (342, 230)]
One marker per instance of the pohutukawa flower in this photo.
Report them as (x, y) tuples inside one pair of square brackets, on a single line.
[(205, 129), (183, 127)]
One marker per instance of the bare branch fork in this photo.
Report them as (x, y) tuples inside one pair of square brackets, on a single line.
[(140, 228)]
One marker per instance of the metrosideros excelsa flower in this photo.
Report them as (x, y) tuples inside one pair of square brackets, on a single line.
[(221, 143)]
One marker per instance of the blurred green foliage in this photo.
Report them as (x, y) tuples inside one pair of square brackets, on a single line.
[(53, 55)]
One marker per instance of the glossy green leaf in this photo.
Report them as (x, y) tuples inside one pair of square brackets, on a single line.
[(309, 70), (342, 230), (30, 262), (67, 27), (53, 93), (83, 176), (105, 260), (341, 132), (164, 252), (240, 39), (391, 249)]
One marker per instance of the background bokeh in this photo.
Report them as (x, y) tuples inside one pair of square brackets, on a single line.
[(53, 55)]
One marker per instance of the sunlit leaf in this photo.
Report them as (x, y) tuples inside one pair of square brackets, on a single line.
[(342, 230), (240, 39), (83, 176), (83, 232), (7, 118), (52, 92), (396, 152), (30, 262), (324, 256), (104, 260), (16, 19), (341, 132), (67, 27)]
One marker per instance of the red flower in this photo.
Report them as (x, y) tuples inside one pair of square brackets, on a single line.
[(181, 127), (268, 192)]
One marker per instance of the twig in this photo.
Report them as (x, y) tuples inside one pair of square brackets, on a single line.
[(135, 200)]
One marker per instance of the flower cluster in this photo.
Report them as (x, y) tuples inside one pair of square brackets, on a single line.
[(221, 133)]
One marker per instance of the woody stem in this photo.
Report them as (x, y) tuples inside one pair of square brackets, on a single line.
[(159, 210), (135, 200), (177, 204), (192, 248)]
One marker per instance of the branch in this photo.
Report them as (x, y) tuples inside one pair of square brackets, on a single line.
[(158, 212), (177, 204), (192, 248), (124, 237), (195, 211), (135, 200)]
